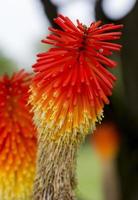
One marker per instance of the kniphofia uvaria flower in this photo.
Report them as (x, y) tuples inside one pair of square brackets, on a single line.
[(17, 138), (69, 90)]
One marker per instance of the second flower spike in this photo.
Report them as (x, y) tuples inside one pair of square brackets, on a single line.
[(17, 138)]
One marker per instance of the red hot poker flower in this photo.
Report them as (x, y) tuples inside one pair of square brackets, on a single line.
[(72, 83), (69, 90), (17, 138)]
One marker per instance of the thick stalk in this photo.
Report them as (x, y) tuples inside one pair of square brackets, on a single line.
[(55, 177)]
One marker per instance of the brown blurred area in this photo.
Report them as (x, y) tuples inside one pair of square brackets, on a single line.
[(126, 116)]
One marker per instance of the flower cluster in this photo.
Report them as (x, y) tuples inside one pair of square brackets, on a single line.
[(71, 83), (17, 138)]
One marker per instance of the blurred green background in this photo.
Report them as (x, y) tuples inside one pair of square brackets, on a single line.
[(89, 174)]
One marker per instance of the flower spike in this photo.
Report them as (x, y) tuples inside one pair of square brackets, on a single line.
[(71, 86), (17, 138)]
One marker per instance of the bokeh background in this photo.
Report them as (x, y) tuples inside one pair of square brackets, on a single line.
[(108, 160)]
